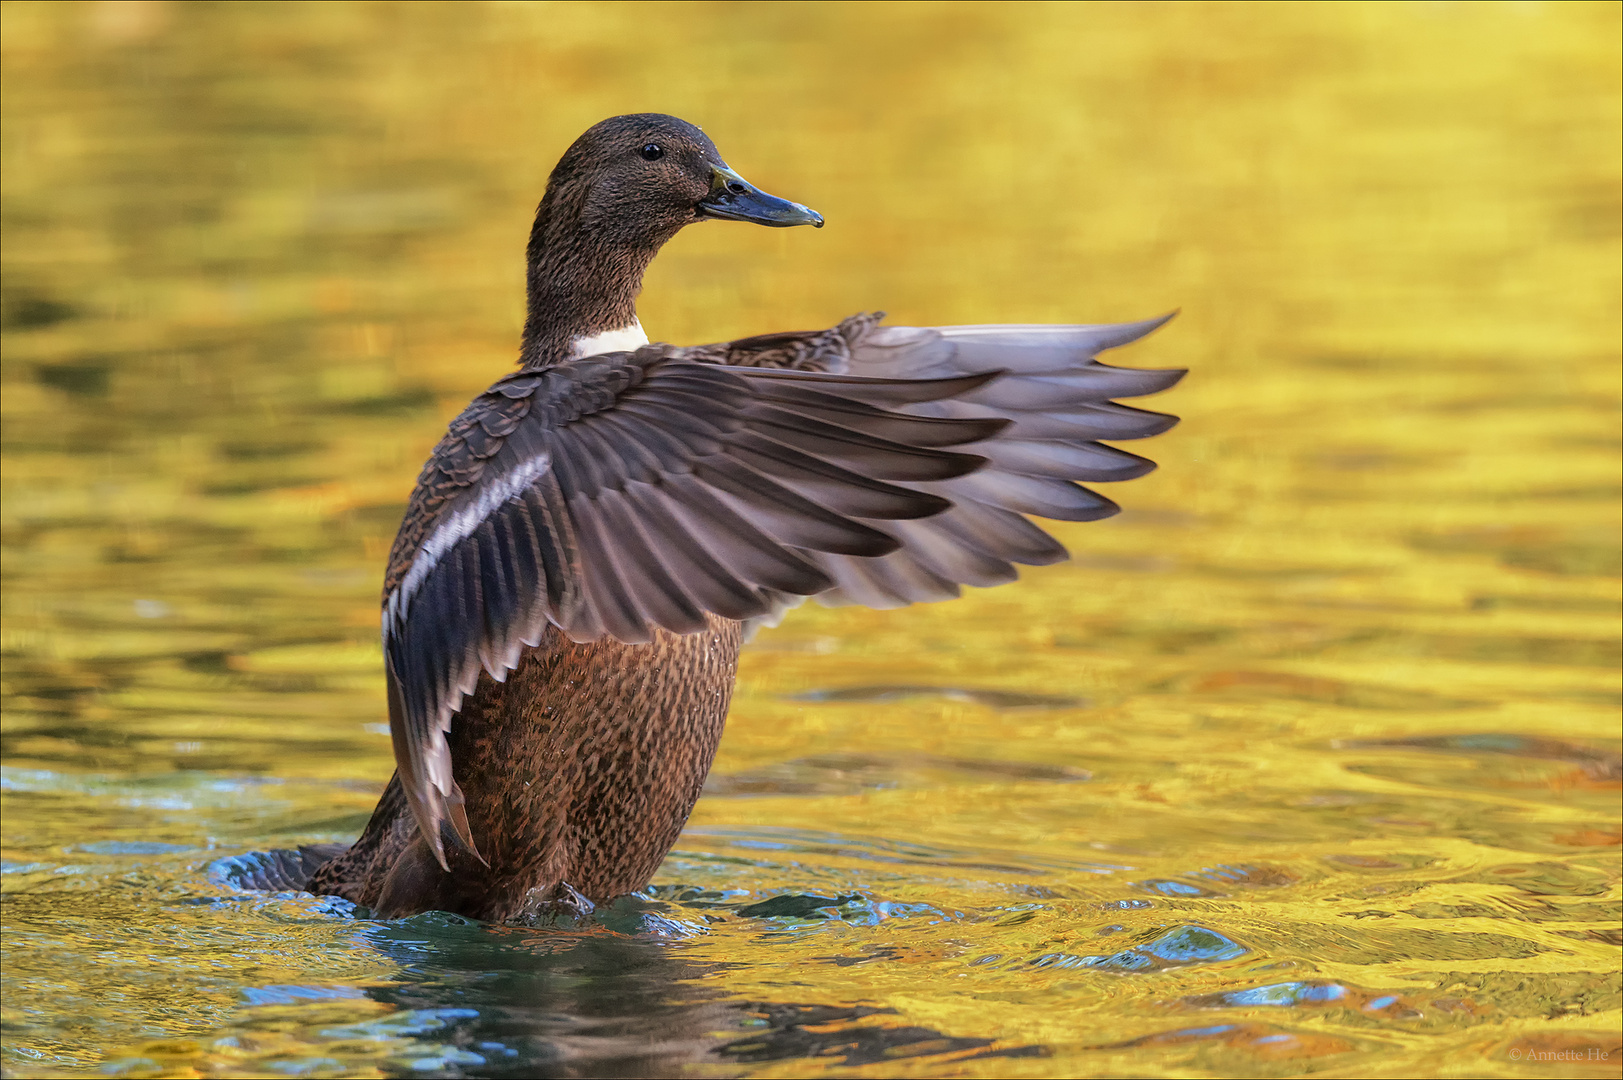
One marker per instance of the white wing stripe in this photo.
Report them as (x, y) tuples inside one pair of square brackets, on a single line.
[(455, 529)]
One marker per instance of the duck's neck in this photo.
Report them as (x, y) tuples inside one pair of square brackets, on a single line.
[(582, 287)]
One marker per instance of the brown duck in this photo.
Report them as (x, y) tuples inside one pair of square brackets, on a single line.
[(590, 543)]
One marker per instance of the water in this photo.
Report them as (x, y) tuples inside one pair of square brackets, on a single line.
[(1306, 763)]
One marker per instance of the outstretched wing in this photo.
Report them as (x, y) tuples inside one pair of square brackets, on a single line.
[(1057, 401), (629, 491)]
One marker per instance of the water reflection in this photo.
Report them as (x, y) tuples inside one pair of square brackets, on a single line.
[(1339, 690), (613, 994), (610, 1005)]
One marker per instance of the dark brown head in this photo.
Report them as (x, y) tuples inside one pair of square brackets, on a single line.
[(624, 188)]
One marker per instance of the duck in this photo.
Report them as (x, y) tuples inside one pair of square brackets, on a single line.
[(592, 541)]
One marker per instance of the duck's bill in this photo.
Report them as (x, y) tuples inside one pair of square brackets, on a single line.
[(732, 198)]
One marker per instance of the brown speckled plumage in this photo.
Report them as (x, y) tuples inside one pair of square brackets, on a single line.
[(565, 600), (581, 769)]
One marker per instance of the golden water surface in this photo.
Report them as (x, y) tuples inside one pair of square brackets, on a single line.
[(1308, 762)]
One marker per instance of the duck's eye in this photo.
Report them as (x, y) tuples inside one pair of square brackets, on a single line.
[(653, 152)]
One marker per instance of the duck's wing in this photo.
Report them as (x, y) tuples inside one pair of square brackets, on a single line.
[(1058, 402), (628, 491)]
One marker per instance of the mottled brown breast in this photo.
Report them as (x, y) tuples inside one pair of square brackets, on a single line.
[(584, 765), (580, 769)]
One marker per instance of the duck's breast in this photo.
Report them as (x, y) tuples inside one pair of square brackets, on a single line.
[(582, 767)]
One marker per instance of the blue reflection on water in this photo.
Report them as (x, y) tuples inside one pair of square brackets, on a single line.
[(122, 847), (1289, 993), (1180, 947), (1194, 945), (405, 1022), (1167, 887), (293, 995)]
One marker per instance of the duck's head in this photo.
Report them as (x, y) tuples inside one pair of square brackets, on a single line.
[(647, 175), (623, 189)]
